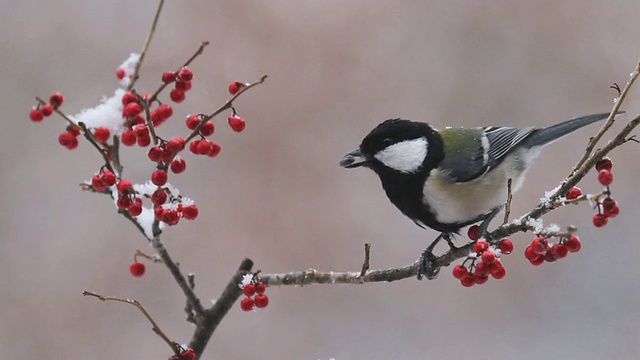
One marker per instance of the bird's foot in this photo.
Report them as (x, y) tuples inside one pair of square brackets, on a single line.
[(484, 225), (426, 265)]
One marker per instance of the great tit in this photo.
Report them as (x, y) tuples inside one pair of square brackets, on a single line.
[(451, 178)]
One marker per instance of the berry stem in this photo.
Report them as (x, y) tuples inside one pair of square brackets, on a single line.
[(174, 345)]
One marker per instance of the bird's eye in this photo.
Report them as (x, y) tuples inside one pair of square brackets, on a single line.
[(386, 142)]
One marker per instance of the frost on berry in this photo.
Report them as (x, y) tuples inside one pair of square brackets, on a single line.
[(573, 193), (480, 246), (188, 354)]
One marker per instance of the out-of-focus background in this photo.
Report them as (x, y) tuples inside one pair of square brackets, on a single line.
[(276, 194)]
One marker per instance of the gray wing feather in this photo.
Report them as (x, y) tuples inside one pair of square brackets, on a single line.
[(502, 140)]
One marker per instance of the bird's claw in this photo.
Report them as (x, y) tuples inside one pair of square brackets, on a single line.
[(426, 266)]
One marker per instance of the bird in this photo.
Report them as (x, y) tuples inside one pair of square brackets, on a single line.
[(455, 177)]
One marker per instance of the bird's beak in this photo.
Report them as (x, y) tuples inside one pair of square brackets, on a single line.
[(353, 159)]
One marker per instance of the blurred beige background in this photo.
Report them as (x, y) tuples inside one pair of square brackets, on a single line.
[(277, 195)]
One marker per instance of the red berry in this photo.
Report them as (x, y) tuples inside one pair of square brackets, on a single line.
[(156, 118), (193, 146), (155, 153), (488, 257), (66, 138), (120, 73), (141, 130), (260, 288), (480, 246), (472, 233), (168, 77), (178, 165), (132, 109), (540, 245), (247, 304), (482, 269), (176, 95), (170, 217), (36, 115), (56, 100), (537, 261), (505, 246), (204, 147), (190, 212), (500, 273), (235, 86), (137, 121), (236, 122), (480, 279), (599, 220), (530, 254), (97, 183), (559, 251), (101, 134), (46, 110), (214, 149), (604, 164), (159, 177), (159, 197), (144, 141), (192, 121), (605, 177), (188, 354), (124, 201), (74, 130), (249, 289), (494, 266), (183, 86), (262, 301), (468, 281), (165, 110), (185, 74), (176, 144), (549, 256), (207, 128), (459, 271), (137, 268), (108, 177), (124, 185), (158, 211), (573, 244), (167, 155), (135, 209), (573, 193), (610, 208), (128, 97)]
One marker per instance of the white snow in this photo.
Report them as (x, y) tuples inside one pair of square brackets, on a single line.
[(108, 114), (129, 66)]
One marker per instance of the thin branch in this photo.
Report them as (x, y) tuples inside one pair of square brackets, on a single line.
[(507, 207), (145, 47), (610, 120), (174, 345), (217, 312), (227, 105), (365, 264), (89, 136)]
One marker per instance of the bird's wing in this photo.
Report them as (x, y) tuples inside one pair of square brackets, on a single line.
[(502, 140), (486, 149)]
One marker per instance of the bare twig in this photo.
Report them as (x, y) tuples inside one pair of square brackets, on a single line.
[(507, 207), (145, 47), (174, 345), (365, 264), (105, 154)]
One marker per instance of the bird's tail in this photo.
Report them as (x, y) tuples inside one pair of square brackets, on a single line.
[(549, 134)]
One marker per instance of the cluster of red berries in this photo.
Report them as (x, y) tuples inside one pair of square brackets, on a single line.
[(251, 288), (485, 262), (541, 250), (608, 207), (182, 83), (188, 354), (42, 111)]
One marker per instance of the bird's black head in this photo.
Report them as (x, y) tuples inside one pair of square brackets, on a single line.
[(399, 145)]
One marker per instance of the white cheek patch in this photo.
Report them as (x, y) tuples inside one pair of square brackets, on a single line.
[(406, 156)]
